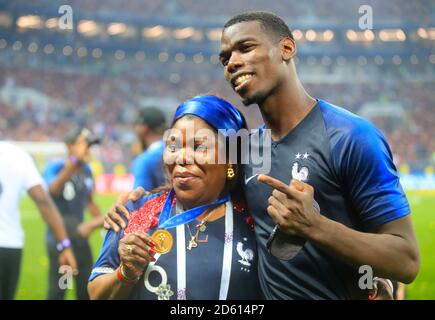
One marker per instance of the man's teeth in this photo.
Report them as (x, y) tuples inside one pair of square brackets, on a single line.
[(242, 79)]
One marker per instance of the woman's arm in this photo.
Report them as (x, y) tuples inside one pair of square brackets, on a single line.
[(135, 251), (108, 287)]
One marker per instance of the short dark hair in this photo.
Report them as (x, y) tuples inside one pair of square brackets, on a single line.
[(269, 21), (152, 117)]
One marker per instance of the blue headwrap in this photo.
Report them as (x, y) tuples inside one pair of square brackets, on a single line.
[(216, 112)]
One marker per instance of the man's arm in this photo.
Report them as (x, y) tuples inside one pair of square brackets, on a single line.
[(78, 151), (52, 217), (56, 187), (86, 228), (391, 249)]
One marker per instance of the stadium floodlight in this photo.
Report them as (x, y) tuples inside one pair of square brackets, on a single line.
[(298, 35), (198, 58), (180, 57), (328, 35), (119, 54), (378, 60), (33, 47), (116, 28), (397, 59), (214, 34), (52, 23), (392, 35), (97, 53), (89, 28), (30, 22), (155, 32), (48, 48), (184, 33), (67, 50), (360, 36), (426, 33), (17, 45), (82, 52), (310, 35), (121, 29), (163, 56)]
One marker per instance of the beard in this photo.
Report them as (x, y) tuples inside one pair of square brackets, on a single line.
[(256, 98)]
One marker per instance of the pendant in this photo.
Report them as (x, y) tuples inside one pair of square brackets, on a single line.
[(192, 244), (202, 227)]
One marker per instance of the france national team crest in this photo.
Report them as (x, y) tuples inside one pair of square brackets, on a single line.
[(300, 172), (246, 255)]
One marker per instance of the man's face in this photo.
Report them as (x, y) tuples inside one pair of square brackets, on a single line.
[(252, 61), (141, 132)]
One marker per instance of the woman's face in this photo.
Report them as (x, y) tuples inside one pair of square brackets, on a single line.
[(191, 160)]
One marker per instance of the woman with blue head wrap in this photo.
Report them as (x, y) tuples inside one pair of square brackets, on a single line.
[(194, 240)]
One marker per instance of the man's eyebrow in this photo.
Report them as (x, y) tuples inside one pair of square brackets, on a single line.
[(237, 43)]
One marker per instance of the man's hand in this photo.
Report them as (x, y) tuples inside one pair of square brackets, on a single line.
[(66, 257), (84, 230), (291, 206), (136, 250), (113, 219), (382, 290)]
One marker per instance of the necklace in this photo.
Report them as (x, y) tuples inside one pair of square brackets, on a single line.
[(201, 227)]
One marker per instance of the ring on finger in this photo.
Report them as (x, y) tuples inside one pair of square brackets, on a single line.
[(129, 249)]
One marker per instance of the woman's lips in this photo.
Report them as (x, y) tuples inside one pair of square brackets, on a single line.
[(184, 178)]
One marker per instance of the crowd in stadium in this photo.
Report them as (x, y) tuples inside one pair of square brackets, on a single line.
[(310, 11), (109, 105), (105, 93)]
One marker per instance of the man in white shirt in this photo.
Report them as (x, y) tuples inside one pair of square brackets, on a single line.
[(18, 173)]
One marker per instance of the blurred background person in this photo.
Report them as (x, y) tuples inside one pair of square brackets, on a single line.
[(17, 174), (147, 168), (71, 186)]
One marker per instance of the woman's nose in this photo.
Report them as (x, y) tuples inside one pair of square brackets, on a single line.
[(185, 156)]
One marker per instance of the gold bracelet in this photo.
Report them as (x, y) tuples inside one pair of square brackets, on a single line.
[(125, 278)]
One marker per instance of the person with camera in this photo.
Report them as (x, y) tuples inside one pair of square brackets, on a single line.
[(70, 184)]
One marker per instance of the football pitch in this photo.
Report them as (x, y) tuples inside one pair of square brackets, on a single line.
[(34, 268)]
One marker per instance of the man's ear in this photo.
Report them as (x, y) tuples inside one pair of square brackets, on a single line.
[(287, 47)]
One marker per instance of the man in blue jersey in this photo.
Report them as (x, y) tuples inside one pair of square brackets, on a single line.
[(70, 184), (322, 152), (147, 168)]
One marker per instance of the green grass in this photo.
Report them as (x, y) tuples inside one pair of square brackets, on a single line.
[(33, 279)]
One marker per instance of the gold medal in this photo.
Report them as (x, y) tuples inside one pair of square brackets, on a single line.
[(163, 240)]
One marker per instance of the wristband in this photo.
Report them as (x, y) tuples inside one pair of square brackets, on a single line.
[(66, 243)]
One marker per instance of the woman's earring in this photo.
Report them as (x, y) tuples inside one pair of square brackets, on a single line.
[(230, 173)]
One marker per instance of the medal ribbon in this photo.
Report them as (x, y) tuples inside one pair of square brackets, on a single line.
[(226, 263), (165, 222)]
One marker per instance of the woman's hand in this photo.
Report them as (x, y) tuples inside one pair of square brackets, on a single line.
[(136, 250)]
